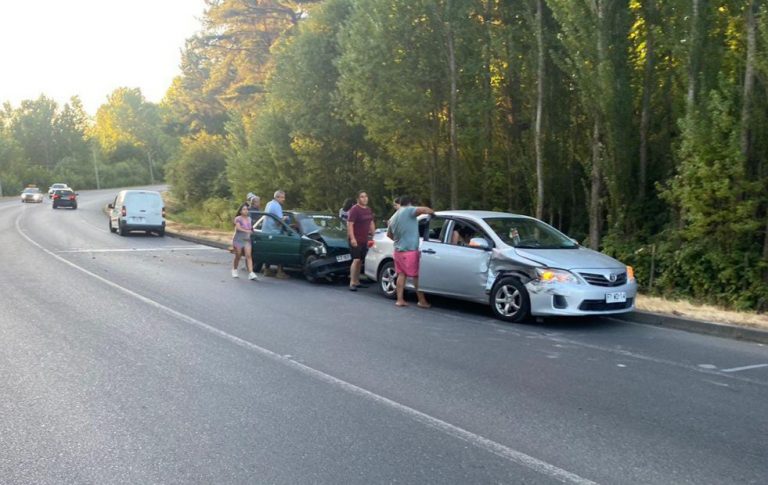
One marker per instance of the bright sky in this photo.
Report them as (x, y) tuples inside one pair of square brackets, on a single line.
[(88, 48)]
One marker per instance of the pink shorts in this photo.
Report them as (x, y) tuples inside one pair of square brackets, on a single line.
[(407, 262)]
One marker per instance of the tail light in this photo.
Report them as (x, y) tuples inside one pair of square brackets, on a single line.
[(71, 197), (122, 211), (56, 196), (163, 211)]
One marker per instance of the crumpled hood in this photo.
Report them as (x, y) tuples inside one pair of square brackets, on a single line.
[(581, 258), (335, 242)]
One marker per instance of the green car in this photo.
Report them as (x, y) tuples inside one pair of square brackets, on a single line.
[(311, 242)]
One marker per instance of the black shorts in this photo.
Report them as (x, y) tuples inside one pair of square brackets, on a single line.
[(359, 252)]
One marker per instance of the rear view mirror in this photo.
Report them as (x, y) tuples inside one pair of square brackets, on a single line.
[(479, 242), (110, 206)]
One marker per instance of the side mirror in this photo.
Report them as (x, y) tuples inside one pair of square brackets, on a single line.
[(479, 243), (111, 206), (574, 241)]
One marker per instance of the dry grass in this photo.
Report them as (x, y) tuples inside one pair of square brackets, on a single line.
[(708, 313)]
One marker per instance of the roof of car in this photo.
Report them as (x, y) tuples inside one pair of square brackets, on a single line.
[(477, 214)]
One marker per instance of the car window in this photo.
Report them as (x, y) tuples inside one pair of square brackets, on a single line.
[(524, 232), (322, 223), (436, 229), (31, 191), (462, 233), (147, 199)]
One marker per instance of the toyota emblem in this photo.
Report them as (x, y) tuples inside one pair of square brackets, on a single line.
[(613, 277)]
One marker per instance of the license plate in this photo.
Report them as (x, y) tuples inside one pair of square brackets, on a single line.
[(617, 297), (344, 257), (138, 219)]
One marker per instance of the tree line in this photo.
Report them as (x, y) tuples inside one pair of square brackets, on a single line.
[(638, 127)]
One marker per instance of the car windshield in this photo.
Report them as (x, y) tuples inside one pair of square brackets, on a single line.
[(523, 232), (31, 191), (325, 224), (64, 192)]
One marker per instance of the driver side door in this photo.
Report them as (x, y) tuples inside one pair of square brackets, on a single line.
[(453, 270), (275, 243)]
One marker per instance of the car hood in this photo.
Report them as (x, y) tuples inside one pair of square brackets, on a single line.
[(580, 258), (334, 241)]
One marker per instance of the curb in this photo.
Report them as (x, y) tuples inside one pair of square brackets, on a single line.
[(696, 326), (645, 318), (198, 240)]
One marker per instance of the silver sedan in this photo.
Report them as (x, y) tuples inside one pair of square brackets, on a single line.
[(518, 265)]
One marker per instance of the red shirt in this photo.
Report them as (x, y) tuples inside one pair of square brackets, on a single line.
[(361, 218)]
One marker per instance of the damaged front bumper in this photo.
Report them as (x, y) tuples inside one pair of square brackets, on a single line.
[(580, 299)]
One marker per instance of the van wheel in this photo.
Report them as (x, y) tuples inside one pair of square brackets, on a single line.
[(111, 229), (161, 232), (121, 228), (388, 280), (509, 300)]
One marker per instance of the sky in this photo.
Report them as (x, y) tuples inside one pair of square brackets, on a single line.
[(88, 48)]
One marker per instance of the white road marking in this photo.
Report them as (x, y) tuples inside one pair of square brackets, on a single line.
[(476, 440), (746, 367), (136, 250)]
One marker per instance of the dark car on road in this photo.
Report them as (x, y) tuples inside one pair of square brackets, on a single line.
[(314, 243), (64, 198)]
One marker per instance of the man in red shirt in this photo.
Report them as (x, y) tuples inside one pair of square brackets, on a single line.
[(359, 226)]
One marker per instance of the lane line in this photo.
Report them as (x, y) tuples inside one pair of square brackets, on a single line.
[(469, 437), (746, 367), (138, 250)]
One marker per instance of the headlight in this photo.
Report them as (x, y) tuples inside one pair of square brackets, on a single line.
[(550, 276), (320, 250), (630, 273)]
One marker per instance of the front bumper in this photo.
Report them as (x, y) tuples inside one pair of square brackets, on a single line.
[(329, 266), (578, 299)]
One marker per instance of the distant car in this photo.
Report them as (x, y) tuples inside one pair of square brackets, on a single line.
[(137, 210), (56, 187), (314, 243), (518, 265), (64, 198), (31, 194)]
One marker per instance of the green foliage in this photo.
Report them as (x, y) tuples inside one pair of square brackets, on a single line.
[(715, 251), (199, 171)]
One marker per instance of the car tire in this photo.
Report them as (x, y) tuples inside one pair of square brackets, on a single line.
[(54, 206), (509, 300), (161, 232), (121, 229), (307, 273), (387, 279), (111, 229)]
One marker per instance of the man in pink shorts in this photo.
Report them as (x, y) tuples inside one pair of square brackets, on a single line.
[(404, 230)]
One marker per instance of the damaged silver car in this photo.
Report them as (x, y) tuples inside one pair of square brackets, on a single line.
[(518, 265)]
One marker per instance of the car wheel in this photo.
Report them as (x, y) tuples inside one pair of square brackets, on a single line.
[(74, 207), (161, 232), (53, 206), (111, 229), (121, 228), (388, 280), (509, 300), (307, 272)]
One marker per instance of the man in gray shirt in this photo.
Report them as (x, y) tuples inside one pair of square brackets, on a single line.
[(404, 230)]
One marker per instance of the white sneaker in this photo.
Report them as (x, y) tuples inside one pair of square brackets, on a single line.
[(253, 276), (234, 274)]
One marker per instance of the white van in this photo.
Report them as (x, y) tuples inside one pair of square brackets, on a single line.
[(137, 210)]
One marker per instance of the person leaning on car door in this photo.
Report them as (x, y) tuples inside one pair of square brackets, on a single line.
[(404, 230)]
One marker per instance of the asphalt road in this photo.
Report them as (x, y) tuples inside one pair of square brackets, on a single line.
[(140, 360)]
